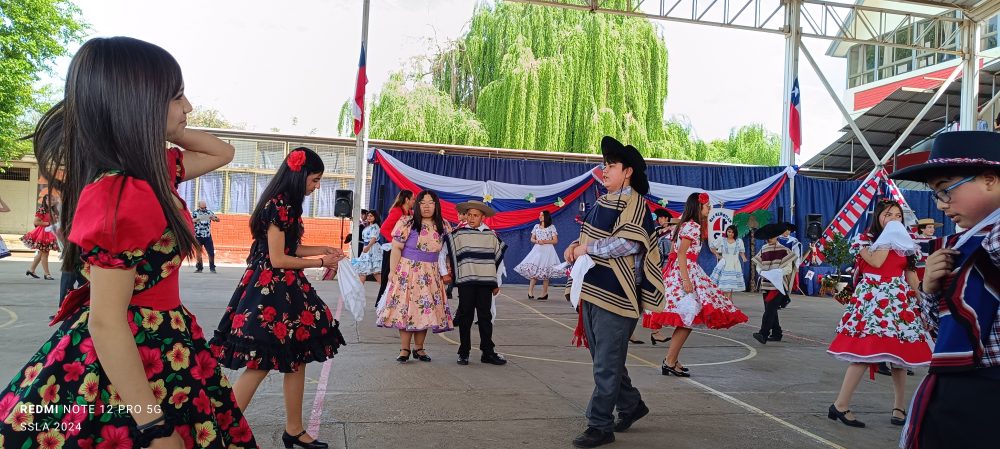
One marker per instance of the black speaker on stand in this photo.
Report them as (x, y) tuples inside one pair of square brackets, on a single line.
[(343, 206), (814, 226)]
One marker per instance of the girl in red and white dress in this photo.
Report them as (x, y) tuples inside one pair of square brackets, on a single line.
[(882, 321), (41, 239), (692, 299)]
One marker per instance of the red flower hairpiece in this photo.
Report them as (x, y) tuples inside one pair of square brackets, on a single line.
[(703, 198), (296, 159)]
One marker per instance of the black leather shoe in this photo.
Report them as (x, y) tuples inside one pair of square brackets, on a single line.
[(463, 359), (842, 416), (291, 441), (625, 420), (593, 437), (774, 338), (493, 359), (760, 338), (420, 354), (883, 369), (898, 421)]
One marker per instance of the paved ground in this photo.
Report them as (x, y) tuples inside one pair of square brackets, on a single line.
[(741, 394)]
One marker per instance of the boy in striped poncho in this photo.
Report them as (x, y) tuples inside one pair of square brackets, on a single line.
[(475, 253)]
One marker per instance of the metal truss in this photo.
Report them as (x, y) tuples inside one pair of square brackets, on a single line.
[(818, 18)]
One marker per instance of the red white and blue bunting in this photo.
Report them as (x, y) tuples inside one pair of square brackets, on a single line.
[(518, 205)]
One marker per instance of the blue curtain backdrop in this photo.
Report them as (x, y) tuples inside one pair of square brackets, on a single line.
[(383, 191)]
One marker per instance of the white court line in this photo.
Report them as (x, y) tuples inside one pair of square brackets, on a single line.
[(715, 392), (316, 416), (13, 317)]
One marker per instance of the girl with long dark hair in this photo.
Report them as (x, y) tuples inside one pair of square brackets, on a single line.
[(125, 338), (541, 263), (881, 322), (370, 260), (414, 297), (275, 320), (692, 298)]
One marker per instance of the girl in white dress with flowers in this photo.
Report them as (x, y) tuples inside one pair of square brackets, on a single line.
[(541, 263)]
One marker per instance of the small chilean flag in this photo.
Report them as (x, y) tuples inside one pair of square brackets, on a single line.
[(359, 95), (794, 118)]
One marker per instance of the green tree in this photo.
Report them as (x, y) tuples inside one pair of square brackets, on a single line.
[(205, 117), (33, 33)]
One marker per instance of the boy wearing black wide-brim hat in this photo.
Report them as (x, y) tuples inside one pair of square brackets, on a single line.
[(624, 282), (958, 403), (773, 256)]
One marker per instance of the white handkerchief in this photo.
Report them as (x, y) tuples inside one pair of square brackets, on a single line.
[(777, 278), (352, 291), (895, 237), (582, 265)]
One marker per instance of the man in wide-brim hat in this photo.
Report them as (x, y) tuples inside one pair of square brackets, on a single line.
[(476, 253), (958, 405), (624, 282), (773, 256)]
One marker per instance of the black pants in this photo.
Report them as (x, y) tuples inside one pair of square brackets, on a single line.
[(473, 300), (769, 324), (209, 245), (66, 282), (962, 411), (385, 276)]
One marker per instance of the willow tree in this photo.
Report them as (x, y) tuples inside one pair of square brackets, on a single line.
[(555, 79)]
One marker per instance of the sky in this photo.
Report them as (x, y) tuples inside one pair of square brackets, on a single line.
[(291, 65)]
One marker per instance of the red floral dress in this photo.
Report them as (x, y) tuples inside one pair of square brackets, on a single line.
[(882, 322), (85, 411), (275, 320), (38, 238), (717, 311)]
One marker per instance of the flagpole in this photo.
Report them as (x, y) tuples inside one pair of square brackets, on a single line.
[(360, 165)]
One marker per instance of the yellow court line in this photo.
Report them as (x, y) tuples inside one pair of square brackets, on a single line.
[(714, 392), (13, 317)]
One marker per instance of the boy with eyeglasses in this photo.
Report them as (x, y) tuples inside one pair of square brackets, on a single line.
[(958, 403)]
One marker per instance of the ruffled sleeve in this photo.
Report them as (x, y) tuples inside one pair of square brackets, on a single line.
[(175, 161), (114, 224), (691, 230), (277, 212), (860, 242), (402, 230)]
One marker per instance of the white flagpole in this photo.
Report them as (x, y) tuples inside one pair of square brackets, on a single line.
[(360, 165)]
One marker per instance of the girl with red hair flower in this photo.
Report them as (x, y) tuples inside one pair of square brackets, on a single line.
[(275, 320), (692, 299)]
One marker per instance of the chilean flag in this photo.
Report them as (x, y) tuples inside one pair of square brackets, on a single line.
[(359, 95), (794, 118)]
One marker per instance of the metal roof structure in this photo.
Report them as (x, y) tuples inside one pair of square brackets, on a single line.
[(882, 125)]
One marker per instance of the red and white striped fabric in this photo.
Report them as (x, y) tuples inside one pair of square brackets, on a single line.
[(848, 217)]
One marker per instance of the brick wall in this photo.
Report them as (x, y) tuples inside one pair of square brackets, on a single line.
[(232, 235)]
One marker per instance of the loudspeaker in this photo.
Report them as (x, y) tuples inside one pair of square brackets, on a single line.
[(814, 226), (343, 205)]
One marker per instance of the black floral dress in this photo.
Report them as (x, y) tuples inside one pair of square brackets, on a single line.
[(62, 398), (275, 320)]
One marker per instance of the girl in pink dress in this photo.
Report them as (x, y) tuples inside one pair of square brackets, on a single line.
[(692, 299), (41, 239)]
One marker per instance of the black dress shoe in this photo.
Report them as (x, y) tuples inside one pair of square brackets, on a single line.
[(420, 354), (654, 340), (543, 298), (290, 441), (760, 338), (463, 359), (842, 416), (774, 338), (493, 359), (31, 274), (883, 369), (593, 437), (625, 420)]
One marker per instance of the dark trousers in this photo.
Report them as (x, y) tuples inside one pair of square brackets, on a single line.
[(209, 245), (962, 411), (769, 324), (608, 335), (473, 300), (385, 276), (66, 282)]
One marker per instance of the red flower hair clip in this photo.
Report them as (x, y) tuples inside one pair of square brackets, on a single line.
[(703, 198), (296, 159)]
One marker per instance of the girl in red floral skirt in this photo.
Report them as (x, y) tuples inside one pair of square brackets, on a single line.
[(275, 319), (41, 239), (882, 321), (128, 366)]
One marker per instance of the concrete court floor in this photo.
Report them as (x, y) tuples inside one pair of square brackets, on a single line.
[(741, 394)]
